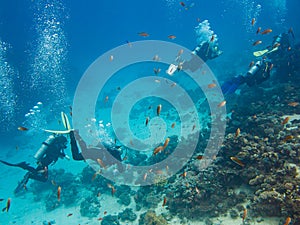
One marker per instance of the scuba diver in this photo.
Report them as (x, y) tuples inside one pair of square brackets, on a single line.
[(207, 49), (51, 150), (279, 55)]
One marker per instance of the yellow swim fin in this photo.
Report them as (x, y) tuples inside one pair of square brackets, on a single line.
[(260, 53), (65, 121), (263, 52), (58, 131)]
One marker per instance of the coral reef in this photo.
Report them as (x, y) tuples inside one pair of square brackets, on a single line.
[(127, 215), (90, 207), (48, 190), (150, 218), (266, 180), (110, 220)]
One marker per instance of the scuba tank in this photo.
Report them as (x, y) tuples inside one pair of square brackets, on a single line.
[(254, 69), (41, 152)]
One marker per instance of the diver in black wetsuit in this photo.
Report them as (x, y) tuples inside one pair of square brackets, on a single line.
[(51, 150), (110, 155), (203, 52), (279, 54)]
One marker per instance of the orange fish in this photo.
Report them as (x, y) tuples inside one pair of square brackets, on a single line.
[(286, 120), (145, 176), (244, 214), (143, 34), (158, 150), (293, 104), (288, 221), (101, 163), (183, 174), (199, 157), (70, 214), (221, 104), (237, 132), (158, 109), (258, 30), (266, 31), (173, 125), (58, 193), (6, 208), (253, 21), (182, 4), (164, 202), (237, 161), (257, 43), (287, 138), (212, 85), (251, 64), (147, 121), (166, 143), (111, 58), (212, 38), (100, 218), (95, 175), (172, 37), (105, 212), (22, 128)]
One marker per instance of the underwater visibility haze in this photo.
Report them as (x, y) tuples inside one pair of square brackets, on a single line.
[(150, 112)]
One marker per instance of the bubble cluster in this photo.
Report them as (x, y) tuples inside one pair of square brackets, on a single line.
[(8, 97), (50, 53), (35, 118), (204, 33)]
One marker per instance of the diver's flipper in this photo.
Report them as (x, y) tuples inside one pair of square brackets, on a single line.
[(65, 121), (260, 53), (59, 131), (22, 165), (263, 52), (22, 184)]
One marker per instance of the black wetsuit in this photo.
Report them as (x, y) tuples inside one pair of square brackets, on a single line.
[(40, 173)]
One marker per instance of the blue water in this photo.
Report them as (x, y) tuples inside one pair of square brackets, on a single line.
[(47, 45)]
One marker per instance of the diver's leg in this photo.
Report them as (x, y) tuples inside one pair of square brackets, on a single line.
[(22, 184), (74, 148)]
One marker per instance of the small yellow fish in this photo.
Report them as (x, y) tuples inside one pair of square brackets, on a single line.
[(237, 132)]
